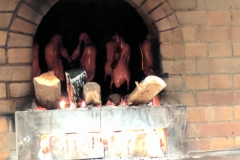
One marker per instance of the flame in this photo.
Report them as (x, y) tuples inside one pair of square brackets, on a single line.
[(83, 104), (62, 104), (72, 105), (39, 108), (123, 102), (156, 101)]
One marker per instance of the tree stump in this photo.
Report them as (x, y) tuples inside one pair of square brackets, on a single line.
[(47, 90)]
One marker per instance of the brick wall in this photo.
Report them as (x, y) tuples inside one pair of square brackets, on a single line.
[(199, 48)]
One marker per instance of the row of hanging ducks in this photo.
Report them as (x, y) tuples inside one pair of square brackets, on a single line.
[(117, 58)]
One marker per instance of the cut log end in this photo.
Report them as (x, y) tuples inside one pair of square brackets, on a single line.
[(146, 90), (47, 90)]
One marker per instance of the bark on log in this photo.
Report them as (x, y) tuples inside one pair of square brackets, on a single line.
[(47, 90), (76, 79), (146, 90), (92, 93)]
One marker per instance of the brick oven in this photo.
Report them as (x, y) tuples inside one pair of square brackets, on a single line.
[(199, 48)]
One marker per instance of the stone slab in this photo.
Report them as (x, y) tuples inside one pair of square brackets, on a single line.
[(32, 123)]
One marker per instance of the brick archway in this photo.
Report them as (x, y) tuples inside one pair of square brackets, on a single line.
[(27, 15)]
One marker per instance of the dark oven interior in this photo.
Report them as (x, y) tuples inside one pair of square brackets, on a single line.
[(100, 20)]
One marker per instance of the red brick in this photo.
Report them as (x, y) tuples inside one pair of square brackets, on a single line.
[(234, 32), (189, 33), (20, 89), (218, 98), (174, 35), (219, 18), (235, 17), (212, 33), (178, 97), (26, 55), (236, 48), (8, 141), (237, 81), (231, 65), (192, 17), (4, 124), (183, 4), (237, 141), (29, 13), (237, 112), (195, 50), (5, 154), (197, 114), (220, 49), (174, 83), (3, 90), (16, 40), (198, 145), (5, 19), (214, 4), (15, 73), (196, 82), (186, 99), (217, 129), (220, 81), (160, 12), (149, 5), (173, 67), (137, 2), (192, 131), (3, 35), (8, 106), (23, 26), (221, 143), (190, 66), (2, 56), (172, 50), (167, 23), (221, 113), (235, 4)]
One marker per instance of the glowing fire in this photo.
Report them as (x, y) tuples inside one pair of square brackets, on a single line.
[(39, 108)]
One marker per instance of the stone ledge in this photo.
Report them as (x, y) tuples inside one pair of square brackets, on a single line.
[(31, 124)]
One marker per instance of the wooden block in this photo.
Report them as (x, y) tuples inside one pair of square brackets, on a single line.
[(146, 90), (92, 93), (47, 90)]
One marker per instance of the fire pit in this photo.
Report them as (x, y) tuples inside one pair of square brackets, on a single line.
[(107, 132)]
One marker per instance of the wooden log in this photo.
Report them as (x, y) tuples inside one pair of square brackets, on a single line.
[(47, 90), (76, 79), (92, 93), (115, 98), (146, 90)]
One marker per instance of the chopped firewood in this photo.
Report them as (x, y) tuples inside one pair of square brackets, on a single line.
[(75, 79), (47, 90), (115, 98), (146, 90), (92, 93)]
